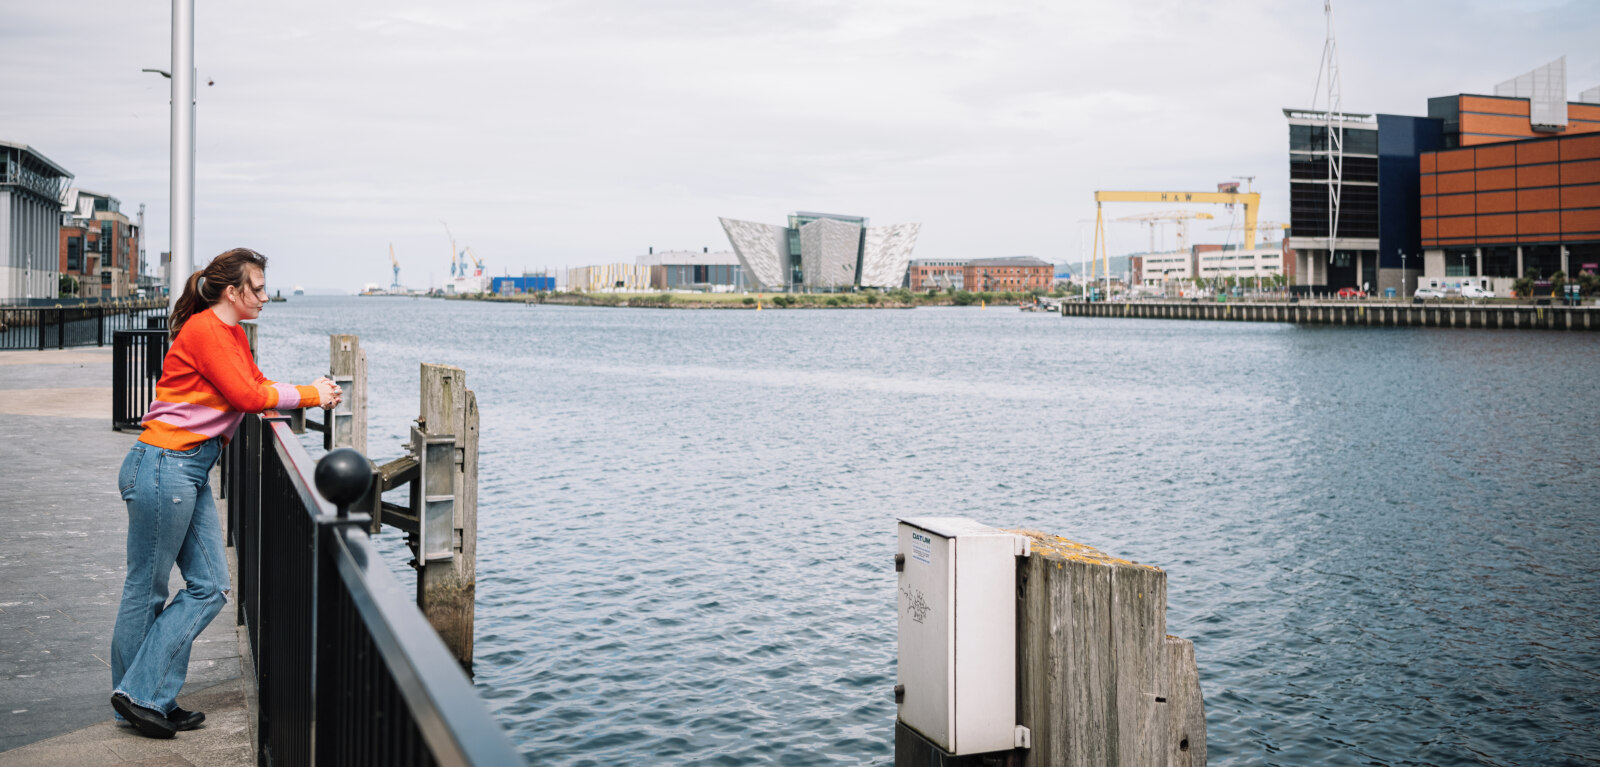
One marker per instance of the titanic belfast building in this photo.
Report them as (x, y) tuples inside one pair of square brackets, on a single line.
[(822, 252)]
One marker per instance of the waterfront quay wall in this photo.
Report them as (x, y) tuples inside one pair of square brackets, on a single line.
[(1443, 315)]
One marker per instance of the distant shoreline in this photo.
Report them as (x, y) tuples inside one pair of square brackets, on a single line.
[(896, 299)]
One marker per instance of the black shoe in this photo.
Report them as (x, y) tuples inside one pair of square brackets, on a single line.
[(148, 721), (185, 720)]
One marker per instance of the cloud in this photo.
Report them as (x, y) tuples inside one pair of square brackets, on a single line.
[(560, 133)]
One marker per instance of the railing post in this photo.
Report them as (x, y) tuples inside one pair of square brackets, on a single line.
[(121, 376), (447, 589), (100, 327)]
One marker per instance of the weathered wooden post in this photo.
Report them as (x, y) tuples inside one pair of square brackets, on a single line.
[(250, 336), (1098, 680), (347, 366), (447, 585)]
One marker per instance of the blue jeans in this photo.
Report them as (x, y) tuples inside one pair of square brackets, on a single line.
[(171, 520)]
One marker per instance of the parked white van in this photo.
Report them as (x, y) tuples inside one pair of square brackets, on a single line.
[(1469, 290)]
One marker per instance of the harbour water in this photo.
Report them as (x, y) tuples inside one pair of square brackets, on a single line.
[(1383, 542)]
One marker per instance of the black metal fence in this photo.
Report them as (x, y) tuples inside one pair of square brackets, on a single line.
[(348, 671), (136, 360), (58, 327)]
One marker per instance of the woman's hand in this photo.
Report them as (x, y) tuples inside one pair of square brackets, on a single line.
[(328, 393)]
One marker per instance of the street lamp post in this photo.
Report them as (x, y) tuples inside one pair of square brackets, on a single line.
[(181, 180), (1402, 253)]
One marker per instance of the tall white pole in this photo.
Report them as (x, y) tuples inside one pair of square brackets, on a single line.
[(181, 182)]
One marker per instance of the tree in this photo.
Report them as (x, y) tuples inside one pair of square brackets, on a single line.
[(68, 285), (1588, 283), (1523, 286)]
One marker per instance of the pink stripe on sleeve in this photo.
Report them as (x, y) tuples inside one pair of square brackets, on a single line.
[(288, 396)]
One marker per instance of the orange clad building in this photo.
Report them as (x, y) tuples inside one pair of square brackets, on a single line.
[(1470, 120), (1496, 207)]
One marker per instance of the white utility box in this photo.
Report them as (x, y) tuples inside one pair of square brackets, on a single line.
[(957, 630)]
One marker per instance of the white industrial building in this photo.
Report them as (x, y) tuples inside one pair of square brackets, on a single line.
[(31, 192)]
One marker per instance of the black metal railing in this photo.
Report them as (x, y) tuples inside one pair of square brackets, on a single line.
[(58, 327), (348, 671), (136, 360)]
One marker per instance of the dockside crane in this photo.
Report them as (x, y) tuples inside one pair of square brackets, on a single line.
[(453, 255), (396, 264), (1266, 228), (1179, 217)]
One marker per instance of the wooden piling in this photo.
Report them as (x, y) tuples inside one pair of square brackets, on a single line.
[(1186, 721), (250, 337), (1099, 682), (447, 589), (346, 359)]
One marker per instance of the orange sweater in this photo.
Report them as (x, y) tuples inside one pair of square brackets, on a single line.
[(208, 382)]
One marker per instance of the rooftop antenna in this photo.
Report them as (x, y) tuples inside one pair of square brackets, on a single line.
[(1333, 125)]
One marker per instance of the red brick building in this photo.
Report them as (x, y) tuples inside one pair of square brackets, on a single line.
[(1020, 273), (99, 246), (937, 274)]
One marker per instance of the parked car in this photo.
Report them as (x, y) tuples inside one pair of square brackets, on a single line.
[(1473, 291), (1352, 293), (1429, 293)]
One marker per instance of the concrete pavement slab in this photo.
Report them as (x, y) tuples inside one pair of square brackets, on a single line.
[(63, 531)]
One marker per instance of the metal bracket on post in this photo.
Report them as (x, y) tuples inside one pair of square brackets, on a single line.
[(339, 423), (434, 500)]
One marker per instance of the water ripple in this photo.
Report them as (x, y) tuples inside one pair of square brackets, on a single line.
[(1382, 542)]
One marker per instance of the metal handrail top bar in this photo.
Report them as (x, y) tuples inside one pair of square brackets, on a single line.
[(297, 463), (449, 714)]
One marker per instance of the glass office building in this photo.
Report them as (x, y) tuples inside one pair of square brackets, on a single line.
[(1353, 195)]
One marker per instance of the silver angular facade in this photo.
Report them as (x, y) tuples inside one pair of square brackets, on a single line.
[(886, 255), (828, 251), (763, 251)]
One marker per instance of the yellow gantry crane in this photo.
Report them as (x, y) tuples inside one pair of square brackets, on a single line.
[(1250, 200)]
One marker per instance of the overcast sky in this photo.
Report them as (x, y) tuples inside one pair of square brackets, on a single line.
[(554, 134)]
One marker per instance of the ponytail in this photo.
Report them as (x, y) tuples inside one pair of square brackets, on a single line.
[(206, 286)]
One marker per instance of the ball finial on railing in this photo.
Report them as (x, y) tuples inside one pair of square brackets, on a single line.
[(343, 476)]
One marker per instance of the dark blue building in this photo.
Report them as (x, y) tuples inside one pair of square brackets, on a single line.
[(527, 283), (1401, 142)]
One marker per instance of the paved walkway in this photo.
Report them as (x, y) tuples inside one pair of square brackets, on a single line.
[(62, 538)]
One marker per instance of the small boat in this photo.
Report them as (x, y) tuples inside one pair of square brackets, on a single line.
[(278, 296)]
